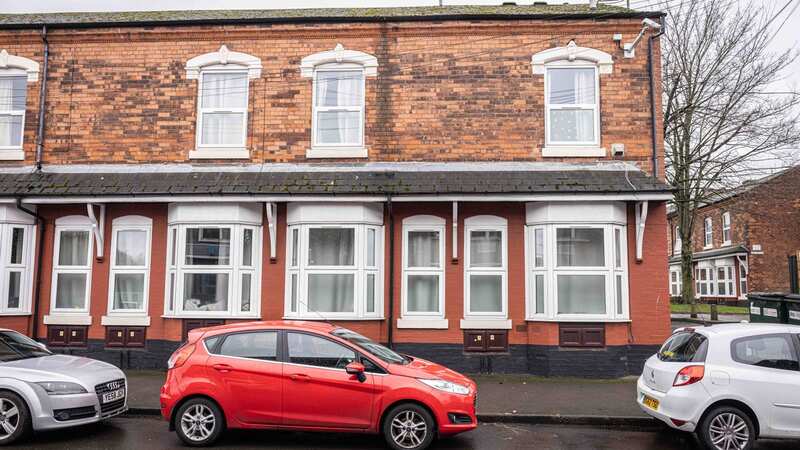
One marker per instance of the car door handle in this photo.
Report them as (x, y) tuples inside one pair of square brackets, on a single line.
[(224, 368), (299, 377)]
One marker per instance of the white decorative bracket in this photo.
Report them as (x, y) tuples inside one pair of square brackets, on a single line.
[(743, 262), (455, 231), (225, 59), (30, 66), (98, 227), (572, 54), (641, 219), (272, 219), (339, 56)]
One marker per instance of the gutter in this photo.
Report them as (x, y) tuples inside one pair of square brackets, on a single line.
[(651, 77), (390, 316), (42, 102), (38, 263)]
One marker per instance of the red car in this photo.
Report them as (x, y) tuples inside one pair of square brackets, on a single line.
[(310, 376)]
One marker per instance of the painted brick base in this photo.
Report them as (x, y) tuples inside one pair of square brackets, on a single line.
[(153, 357)]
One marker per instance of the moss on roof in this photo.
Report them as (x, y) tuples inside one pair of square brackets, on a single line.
[(548, 12)]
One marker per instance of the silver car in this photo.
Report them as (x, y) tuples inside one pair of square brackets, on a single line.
[(40, 390)]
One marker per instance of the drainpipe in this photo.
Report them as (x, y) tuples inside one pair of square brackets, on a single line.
[(651, 77), (38, 279), (42, 99), (390, 213)]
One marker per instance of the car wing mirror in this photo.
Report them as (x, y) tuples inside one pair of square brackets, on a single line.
[(357, 369)]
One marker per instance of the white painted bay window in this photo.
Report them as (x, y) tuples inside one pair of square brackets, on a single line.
[(726, 281), (704, 281), (72, 266), (213, 260), (577, 262), (675, 281), (485, 272), (335, 259), (423, 272), (16, 256), (129, 276)]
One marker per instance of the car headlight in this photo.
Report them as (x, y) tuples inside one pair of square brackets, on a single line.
[(447, 386), (62, 388)]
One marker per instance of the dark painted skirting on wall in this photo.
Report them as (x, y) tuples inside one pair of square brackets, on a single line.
[(540, 360)]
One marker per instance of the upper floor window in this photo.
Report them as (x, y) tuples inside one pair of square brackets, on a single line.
[(572, 99), (708, 233), (338, 111), (15, 74), (223, 84), (16, 256), (130, 265), (726, 228), (678, 241)]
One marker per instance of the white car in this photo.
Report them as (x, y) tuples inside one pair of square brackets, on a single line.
[(42, 391), (731, 384)]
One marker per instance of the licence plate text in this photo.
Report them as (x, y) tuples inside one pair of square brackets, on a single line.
[(650, 403), (109, 397)]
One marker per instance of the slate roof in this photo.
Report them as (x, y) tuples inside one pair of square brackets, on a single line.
[(455, 12), (714, 253), (48, 184)]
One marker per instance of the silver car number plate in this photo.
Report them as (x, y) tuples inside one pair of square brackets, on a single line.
[(109, 397)]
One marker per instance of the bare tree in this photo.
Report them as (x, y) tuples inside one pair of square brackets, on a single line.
[(720, 118)]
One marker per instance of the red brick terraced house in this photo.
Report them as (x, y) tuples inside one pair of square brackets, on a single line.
[(744, 240), (480, 186)]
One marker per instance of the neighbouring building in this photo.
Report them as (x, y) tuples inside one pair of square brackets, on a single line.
[(744, 240), (476, 185)]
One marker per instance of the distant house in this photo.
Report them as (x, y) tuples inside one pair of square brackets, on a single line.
[(745, 240)]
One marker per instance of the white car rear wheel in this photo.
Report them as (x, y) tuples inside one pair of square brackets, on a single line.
[(727, 428)]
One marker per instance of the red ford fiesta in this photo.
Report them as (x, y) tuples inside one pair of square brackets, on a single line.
[(310, 376)]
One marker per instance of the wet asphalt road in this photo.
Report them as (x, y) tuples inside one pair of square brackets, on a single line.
[(145, 433)]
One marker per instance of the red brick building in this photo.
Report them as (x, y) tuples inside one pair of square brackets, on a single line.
[(743, 240), (475, 185)]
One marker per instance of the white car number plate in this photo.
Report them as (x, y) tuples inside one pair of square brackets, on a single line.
[(109, 397)]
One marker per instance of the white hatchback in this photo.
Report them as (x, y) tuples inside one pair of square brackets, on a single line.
[(731, 384)]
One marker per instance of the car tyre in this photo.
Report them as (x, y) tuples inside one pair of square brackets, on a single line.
[(727, 424), (15, 418), (199, 422), (409, 427)]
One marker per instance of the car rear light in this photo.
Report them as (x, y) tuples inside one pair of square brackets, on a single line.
[(180, 356), (678, 422), (689, 375)]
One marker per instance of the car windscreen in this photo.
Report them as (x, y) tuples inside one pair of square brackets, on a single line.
[(684, 347), (15, 346), (379, 351)]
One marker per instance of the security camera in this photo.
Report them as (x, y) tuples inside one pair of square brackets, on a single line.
[(651, 24)]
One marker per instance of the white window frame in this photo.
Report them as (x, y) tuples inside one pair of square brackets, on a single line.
[(726, 228), (8, 149), (12, 66), (675, 281), (24, 268), (423, 223), (595, 108), (708, 282), (202, 111), (728, 282), (130, 223), (677, 248), (72, 223), (177, 269), (708, 233), (348, 147), (486, 223), (360, 270), (742, 271)]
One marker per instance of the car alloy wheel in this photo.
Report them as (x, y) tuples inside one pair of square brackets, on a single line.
[(198, 422), (728, 431), (409, 429), (9, 418)]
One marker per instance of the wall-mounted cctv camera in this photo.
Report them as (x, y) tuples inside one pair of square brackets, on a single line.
[(651, 24), (629, 49)]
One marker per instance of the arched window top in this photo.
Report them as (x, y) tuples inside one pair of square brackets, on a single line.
[(132, 221), (224, 59), (14, 63), (486, 221), (424, 220), (339, 57), (73, 221), (572, 54)]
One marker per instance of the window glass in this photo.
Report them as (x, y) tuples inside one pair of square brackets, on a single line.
[(14, 289), (572, 86), (131, 248), (246, 287), (423, 293), (331, 247), (17, 243), (13, 91), (208, 246), (295, 249), (339, 88), (617, 248), (370, 293), (129, 291), (293, 304), (211, 343), (261, 345), (316, 351), (73, 249), (581, 247), (486, 293), (581, 294), (70, 290), (222, 128), (224, 90), (423, 249), (205, 292), (539, 283), (370, 247), (486, 248), (247, 247), (383, 353), (331, 292), (538, 247), (772, 351), (571, 125), (684, 347), (173, 258)]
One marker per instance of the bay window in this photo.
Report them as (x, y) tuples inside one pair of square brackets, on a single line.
[(129, 277), (212, 264), (72, 266), (485, 267), (675, 281), (576, 262), (704, 281), (334, 262), (725, 281), (423, 272), (16, 256)]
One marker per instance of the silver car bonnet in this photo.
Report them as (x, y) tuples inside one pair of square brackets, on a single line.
[(88, 372)]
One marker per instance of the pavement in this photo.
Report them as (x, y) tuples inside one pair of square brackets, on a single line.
[(136, 433), (706, 318)]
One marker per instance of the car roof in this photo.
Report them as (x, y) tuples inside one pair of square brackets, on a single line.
[(745, 329), (309, 325)]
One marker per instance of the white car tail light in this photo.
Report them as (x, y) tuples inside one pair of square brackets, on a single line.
[(689, 375)]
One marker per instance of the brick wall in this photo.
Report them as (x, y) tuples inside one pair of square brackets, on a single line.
[(450, 91)]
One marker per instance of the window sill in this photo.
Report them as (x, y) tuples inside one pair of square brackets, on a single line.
[(333, 319), (708, 247), (222, 316), (726, 244), (576, 320), (12, 154), (15, 313), (576, 152), (485, 324), (119, 320), (337, 152), (68, 319), (423, 324), (220, 153)]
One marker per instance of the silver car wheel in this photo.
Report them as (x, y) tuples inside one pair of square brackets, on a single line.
[(9, 418), (198, 422), (728, 431), (409, 429)]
